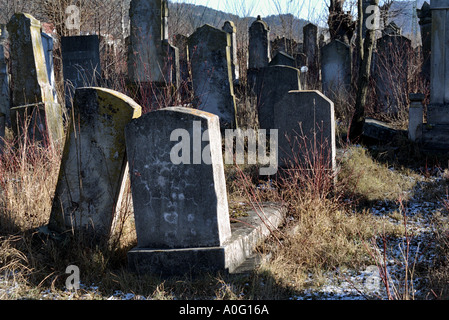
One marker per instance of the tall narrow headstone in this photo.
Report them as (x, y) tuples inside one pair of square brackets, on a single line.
[(81, 64), (272, 84), (336, 69), (230, 28), (306, 124), (94, 165), (425, 23), (310, 49), (210, 58), (151, 58), (179, 191), (32, 94), (48, 45), (4, 85), (259, 50)]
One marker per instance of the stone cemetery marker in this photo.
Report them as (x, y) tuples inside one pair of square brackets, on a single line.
[(309, 115), (259, 50), (310, 49), (283, 59), (151, 58), (272, 84), (94, 162), (425, 24), (229, 27), (4, 86), (81, 63), (179, 191), (391, 70), (47, 43), (32, 94), (336, 69), (210, 58)]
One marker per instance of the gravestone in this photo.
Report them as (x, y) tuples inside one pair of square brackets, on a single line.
[(230, 28), (306, 124), (259, 50), (272, 84), (180, 202), (310, 49), (425, 23), (151, 58), (4, 84), (210, 58), (31, 93), (283, 59), (435, 131), (390, 64), (81, 64), (93, 166), (336, 69)]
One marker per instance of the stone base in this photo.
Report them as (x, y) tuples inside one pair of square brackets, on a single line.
[(434, 137), (379, 131), (246, 235), (438, 113)]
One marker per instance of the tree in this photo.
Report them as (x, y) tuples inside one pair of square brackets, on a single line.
[(366, 53)]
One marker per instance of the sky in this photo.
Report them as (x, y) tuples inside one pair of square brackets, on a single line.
[(306, 9)]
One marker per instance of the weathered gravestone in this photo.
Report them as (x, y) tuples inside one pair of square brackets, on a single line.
[(272, 84), (94, 164), (336, 69), (48, 45), (390, 64), (259, 50), (435, 131), (311, 50), (180, 202), (283, 59), (4, 85), (210, 58), (81, 64), (306, 124), (179, 196), (151, 58), (230, 28), (32, 94)]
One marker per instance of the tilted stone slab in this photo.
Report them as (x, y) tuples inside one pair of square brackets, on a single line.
[(32, 94), (94, 161)]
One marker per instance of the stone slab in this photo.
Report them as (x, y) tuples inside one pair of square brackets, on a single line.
[(228, 258)]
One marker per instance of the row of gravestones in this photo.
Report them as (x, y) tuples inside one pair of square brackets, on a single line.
[(176, 207)]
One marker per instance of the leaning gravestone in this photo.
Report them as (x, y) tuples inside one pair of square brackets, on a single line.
[(179, 191), (336, 69), (81, 64), (306, 124), (210, 58), (32, 95), (230, 28), (272, 84), (93, 165)]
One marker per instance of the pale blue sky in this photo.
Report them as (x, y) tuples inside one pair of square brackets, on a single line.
[(306, 9)]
